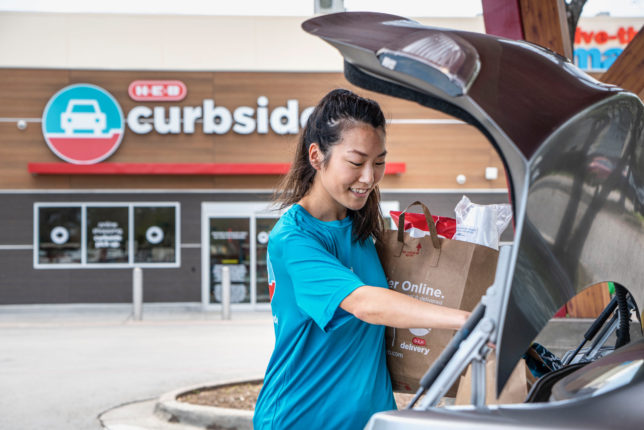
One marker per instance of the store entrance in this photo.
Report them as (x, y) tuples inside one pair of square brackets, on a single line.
[(235, 235)]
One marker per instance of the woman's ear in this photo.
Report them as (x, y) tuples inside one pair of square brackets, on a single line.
[(315, 156)]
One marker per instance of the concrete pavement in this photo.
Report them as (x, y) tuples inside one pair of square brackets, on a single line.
[(62, 366)]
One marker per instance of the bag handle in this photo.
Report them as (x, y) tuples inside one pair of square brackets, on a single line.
[(430, 222)]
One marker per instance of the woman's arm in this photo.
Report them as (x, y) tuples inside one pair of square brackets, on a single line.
[(382, 306)]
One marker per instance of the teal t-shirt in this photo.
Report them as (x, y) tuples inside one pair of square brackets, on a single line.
[(328, 369)]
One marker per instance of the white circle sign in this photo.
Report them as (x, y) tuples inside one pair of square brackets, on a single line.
[(154, 235), (262, 237), (59, 235)]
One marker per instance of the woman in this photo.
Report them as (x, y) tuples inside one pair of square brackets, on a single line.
[(330, 301)]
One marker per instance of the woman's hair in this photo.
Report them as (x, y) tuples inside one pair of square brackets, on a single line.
[(338, 111)]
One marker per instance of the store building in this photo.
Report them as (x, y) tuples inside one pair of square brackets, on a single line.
[(161, 150)]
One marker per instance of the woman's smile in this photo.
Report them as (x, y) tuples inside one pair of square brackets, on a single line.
[(360, 192)]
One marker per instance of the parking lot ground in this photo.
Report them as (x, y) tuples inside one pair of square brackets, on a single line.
[(61, 366)]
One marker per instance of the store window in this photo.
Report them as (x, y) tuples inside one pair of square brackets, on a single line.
[(107, 235), (115, 235), (59, 235), (154, 235)]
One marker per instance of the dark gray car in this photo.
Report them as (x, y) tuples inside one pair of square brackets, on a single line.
[(573, 152)]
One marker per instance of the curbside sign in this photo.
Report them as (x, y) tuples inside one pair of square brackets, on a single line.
[(84, 124)]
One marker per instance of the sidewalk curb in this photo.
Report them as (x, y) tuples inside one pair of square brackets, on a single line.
[(169, 409)]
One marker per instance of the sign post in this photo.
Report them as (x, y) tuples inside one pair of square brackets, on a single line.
[(225, 293), (137, 293)]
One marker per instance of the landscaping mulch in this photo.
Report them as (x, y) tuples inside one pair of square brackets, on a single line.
[(244, 396)]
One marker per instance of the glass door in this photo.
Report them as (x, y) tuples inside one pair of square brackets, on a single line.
[(235, 235), (264, 225), (230, 247)]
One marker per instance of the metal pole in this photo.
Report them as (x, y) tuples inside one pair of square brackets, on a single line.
[(225, 293), (478, 383), (137, 293)]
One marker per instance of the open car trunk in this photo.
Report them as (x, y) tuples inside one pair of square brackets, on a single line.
[(575, 225)]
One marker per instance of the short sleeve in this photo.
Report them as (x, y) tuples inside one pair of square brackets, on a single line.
[(320, 280)]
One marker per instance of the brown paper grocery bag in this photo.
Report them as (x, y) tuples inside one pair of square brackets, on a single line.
[(445, 272), (515, 390)]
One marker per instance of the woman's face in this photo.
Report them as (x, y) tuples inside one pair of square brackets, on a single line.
[(353, 167)]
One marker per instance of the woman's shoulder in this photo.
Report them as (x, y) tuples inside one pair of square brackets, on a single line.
[(289, 225)]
